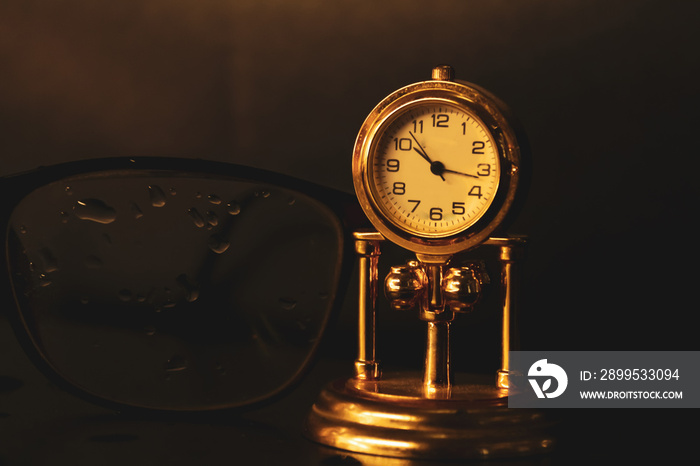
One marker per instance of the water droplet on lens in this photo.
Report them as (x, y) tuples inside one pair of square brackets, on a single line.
[(176, 364), (84, 300), (218, 244), (64, 217), (173, 191), (233, 208), (292, 201), (50, 264), (214, 199), (69, 190), (150, 330), (288, 304), (190, 288), (23, 229), (157, 196), (44, 280), (125, 295), (198, 195), (95, 211), (196, 218), (136, 210), (212, 219)]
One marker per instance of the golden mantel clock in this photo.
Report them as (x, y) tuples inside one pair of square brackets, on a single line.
[(436, 165), (437, 168)]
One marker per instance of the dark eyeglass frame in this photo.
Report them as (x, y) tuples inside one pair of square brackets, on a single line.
[(15, 188)]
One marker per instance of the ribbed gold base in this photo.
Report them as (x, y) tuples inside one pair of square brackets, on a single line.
[(392, 417)]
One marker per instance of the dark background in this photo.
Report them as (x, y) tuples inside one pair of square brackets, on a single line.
[(607, 92)]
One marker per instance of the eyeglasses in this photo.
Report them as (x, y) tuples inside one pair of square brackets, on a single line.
[(170, 284)]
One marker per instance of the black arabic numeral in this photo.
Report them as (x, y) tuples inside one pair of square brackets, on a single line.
[(484, 169), (436, 214), (440, 120), (392, 165), (403, 144)]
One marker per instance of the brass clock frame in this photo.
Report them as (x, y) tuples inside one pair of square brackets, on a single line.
[(432, 415), (474, 100)]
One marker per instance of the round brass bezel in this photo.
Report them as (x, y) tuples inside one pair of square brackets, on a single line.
[(472, 100)]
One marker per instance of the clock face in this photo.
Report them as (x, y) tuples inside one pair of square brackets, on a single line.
[(434, 169)]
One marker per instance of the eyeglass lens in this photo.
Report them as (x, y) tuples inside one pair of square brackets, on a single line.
[(173, 291)]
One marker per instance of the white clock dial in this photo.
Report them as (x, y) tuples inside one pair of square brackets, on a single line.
[(434, 170)]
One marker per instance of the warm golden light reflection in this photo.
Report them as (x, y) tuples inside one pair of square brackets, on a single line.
[(389, 416), (367, 443), (398, 422)]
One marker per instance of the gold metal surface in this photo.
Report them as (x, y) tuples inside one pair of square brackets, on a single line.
[(390, 417), (461, 288), (367, 248), (437, 376), (405, 286), (443, 73), (435, 414), (511, 251)]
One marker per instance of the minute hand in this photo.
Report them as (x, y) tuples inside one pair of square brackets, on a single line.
[(447, 170)]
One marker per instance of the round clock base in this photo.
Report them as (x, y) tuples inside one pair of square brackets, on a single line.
[(391, 417)]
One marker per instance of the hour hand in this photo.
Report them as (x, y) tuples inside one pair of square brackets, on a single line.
[(437, 168), (420, 149), (423, 154)]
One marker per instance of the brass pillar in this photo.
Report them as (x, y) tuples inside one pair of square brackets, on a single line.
[(367, 248)]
